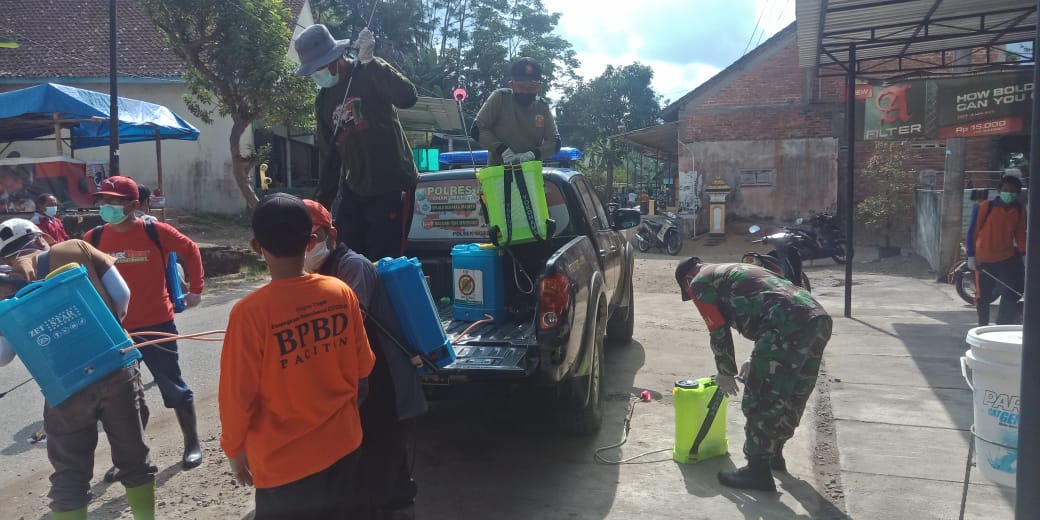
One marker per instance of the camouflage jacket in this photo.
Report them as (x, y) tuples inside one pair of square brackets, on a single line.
[(754, 300)]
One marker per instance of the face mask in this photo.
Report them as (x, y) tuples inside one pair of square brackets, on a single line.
[(1007, 198), (112, 214), (325, 78), (51, 211), (523, 100), (315, 257)]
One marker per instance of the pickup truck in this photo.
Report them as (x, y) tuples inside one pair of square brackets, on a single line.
[(563, 295)]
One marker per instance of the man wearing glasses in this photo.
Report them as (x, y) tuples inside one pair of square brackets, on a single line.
[(514, 124)]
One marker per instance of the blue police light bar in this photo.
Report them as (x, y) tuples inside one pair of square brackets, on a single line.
[(480, 157)]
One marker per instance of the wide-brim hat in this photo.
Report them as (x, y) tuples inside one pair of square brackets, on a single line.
[(317, 48)]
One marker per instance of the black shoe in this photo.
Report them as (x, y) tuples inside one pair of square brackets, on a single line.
[(112, 474), (192, 451), (755, 475)]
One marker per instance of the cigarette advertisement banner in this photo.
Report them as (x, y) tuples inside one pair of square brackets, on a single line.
[(977, 106)]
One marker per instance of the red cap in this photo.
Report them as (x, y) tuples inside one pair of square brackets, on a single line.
[(119, 186), (320, 217)]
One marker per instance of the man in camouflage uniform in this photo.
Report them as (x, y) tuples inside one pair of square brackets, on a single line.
[(790, 330)]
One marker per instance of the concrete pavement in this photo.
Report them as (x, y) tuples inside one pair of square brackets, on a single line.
[(902, 410)]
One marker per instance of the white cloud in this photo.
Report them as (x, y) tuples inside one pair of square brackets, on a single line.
[(685, 42)]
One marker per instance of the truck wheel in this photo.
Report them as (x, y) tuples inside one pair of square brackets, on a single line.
[(586, 419), (623, 323)]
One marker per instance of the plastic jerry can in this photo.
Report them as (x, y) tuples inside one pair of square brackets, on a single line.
[(64, 333), (477, 281), (694, 402), (493, 190), (410, 297)]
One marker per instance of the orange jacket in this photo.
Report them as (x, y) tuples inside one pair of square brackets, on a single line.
[(996, 234), (293, 354)]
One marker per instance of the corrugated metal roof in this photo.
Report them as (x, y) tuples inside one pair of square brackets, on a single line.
[(888, 29), (660, 141)]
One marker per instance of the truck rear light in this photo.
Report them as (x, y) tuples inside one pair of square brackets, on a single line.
[(555, 296)]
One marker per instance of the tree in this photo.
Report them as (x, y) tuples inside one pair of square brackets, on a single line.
[(443, 44), (888, 171), (619, 100), (236, 52)]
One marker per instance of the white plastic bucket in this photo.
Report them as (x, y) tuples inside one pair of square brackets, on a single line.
[(997, 344), (996, 389)]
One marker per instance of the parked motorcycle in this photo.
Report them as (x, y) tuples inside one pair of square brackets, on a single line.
[(827, 238), (786, 258), (662, 235)]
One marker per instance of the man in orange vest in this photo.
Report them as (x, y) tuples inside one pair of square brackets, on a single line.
[(996, 244)]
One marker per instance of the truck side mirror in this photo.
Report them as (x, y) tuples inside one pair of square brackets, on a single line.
[(625, 218)]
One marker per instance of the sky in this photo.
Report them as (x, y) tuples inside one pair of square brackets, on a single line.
[(686, 42)]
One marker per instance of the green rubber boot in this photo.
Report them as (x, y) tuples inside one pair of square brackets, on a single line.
[(142, 501), (78, 514)]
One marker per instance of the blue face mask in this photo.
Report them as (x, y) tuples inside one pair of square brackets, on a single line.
[(1007, 198), (325, 78), (112, 214), (51, 211)]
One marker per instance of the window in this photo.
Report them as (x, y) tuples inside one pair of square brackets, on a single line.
[(592, 204), (757, 177)]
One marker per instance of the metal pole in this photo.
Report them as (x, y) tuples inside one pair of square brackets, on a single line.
[(113, 93), (1027, 502), (850, 177)]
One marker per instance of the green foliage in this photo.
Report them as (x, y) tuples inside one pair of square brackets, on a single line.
[(888, 171), (619, 100), (237, 57), (443, 44)]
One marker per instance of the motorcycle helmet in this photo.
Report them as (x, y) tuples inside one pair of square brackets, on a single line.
[(16, 233)]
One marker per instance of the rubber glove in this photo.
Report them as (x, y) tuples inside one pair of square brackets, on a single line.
[(727, 384), (971, 263), (191, 300), (745, 369), (366, 42), (509, 156), (524, 157)]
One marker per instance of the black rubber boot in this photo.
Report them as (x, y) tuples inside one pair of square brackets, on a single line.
[(192, 452), (777, 462), (755, 475), (402, 513)]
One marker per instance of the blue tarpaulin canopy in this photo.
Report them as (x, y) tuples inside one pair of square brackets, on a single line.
[(36, 111)]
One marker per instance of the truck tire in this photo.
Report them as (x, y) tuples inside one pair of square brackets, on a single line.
[(586, 419), (623, 323)]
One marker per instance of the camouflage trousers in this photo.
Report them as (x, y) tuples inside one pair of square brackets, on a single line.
[(781, 378)]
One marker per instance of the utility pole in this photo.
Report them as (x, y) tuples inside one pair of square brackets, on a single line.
[(953, 189), (113, 93)]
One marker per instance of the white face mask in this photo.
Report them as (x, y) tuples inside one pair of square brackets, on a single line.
[(315, 257), (325, 78)]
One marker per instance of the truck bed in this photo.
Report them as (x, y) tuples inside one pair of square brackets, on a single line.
[(490, 347)]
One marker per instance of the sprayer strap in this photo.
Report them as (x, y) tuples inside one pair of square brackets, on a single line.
[(713, 409), (525, 199)]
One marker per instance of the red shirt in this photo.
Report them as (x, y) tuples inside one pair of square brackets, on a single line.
[(50, 225), (141, 264)]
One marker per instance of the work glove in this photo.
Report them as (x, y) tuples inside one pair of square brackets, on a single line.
[(745, 369), (509, 156), (524, 157), (191, 300), (727, 384), (971, 263), (366, 44)]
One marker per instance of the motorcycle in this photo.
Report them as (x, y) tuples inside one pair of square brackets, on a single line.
[(786, 257), (827, 239), (663, 235)]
